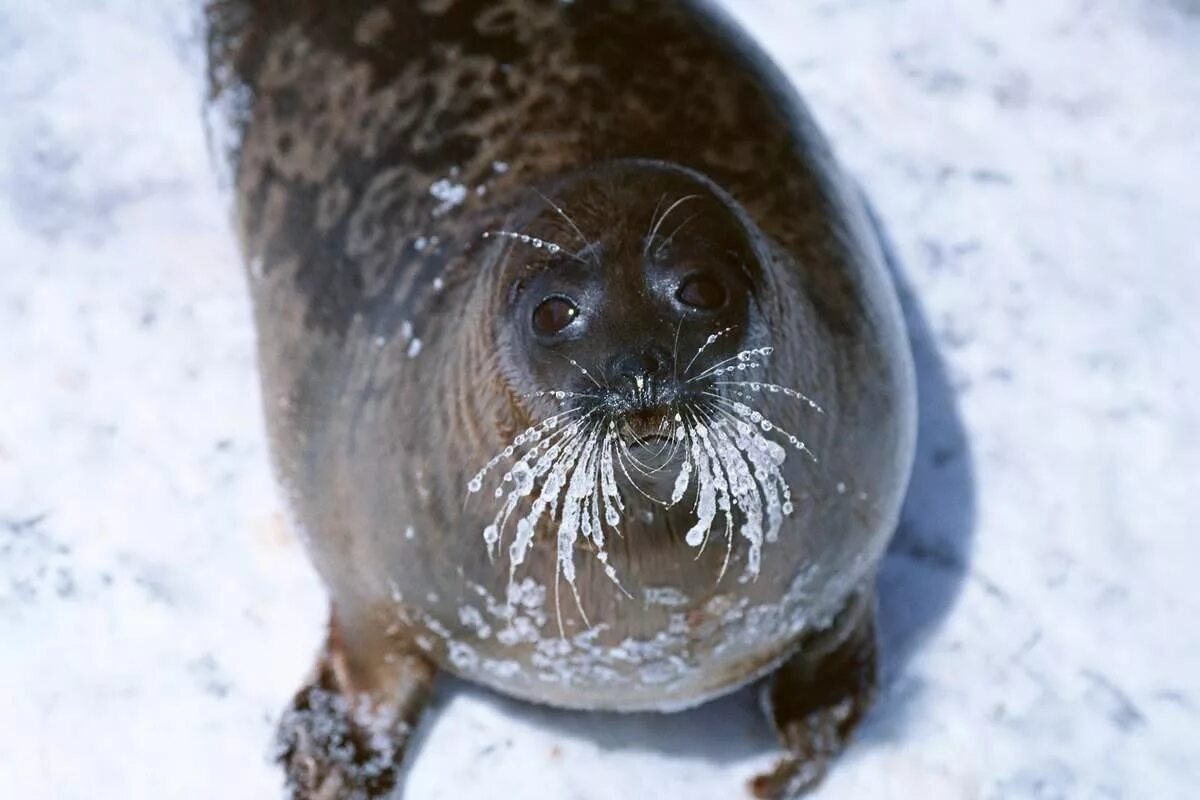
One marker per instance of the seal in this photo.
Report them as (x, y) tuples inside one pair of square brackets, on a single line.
[(581, 370)]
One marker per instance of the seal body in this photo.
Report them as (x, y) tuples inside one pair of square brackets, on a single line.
[(453, 209)]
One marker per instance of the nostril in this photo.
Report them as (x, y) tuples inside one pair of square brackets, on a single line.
[(651, 362)]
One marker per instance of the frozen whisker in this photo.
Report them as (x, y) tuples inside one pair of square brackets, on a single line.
[(754, 485), (612, 501), (569, 475), (534, 465), (749, 417), (553, 248), (573, 465), (768, 457), (740, 366), (580, 484), (683, 479), (706, 498), (711, 340), (534, 433), (622, 450), (559, 394), (583, 370), (771, 388), (739, 362), (648, 470), (733, 488), (558, 469), (712, 484), (587, 244)]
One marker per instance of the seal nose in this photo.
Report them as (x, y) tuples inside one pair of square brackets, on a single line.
[(641, 370), (646, 362)]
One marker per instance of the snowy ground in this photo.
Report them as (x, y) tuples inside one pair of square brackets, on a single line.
[(1035, 166)]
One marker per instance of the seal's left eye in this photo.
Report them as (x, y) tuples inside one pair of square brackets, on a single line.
[(553, 314)]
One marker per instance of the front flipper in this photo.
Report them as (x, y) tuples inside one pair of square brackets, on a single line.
[(345, 733), (817, 699)]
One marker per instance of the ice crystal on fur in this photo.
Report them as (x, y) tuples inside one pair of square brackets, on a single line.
[(572, 473)]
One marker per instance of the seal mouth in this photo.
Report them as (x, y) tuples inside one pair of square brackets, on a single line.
[(651, 440), (651, 444), (649, 427)]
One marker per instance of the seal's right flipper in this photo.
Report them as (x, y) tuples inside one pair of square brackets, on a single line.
[(345, 733)]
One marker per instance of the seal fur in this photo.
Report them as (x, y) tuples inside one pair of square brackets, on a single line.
[(372, 145)]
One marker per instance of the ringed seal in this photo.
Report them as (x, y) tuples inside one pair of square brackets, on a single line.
[(581, 370)]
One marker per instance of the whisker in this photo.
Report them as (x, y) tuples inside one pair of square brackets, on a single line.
[(582, 477), (608, 489), (758, 448), (559, 394), (534, 431), (757, 418), (551, 247), (640, 466), (653, 219), (654, 230), (583, 370), (563, 478), (712, 338), (523, 476), (666, 242), (587, 244), (714, 495), (753, 488), (644, 468), (622, 451), (675, 348), (728, 513), (757, 386), (744, 359)]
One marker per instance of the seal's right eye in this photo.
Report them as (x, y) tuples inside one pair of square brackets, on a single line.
[(553, 314)]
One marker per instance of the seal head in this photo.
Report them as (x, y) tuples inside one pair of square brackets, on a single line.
[(609, 302)]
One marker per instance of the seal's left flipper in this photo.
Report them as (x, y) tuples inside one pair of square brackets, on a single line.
[(345, 733), (816, 700)]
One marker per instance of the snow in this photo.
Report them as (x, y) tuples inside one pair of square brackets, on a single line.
[(1034, 166)]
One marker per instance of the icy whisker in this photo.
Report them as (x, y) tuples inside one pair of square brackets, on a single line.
[(772, 388), (756, 418), (744, 359), (553, 248), (711, 340), (558, 209)]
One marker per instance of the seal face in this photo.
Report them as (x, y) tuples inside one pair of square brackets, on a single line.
[(581, 370), (633, 294)]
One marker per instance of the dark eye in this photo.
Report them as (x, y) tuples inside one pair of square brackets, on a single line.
[(701, 291), (553, 314)]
